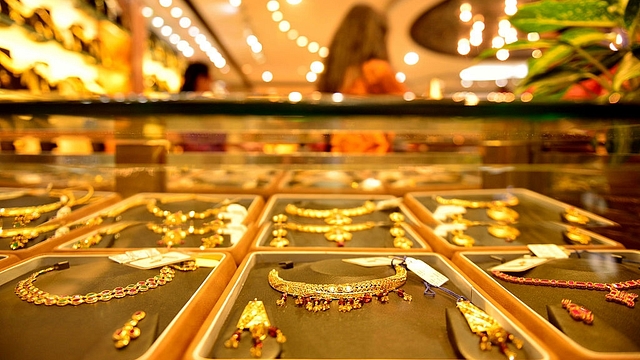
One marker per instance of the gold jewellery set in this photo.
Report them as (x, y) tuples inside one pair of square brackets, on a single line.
[(338, 225), (24, 215), (315, 297), (498, 210), (175, 226)]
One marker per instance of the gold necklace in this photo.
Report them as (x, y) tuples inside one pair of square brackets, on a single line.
[(498, 210), (25, 214), (180, 217), (367, 208), (27, 291), (318, 297), (22, 236), (338, 231), (499, 230)]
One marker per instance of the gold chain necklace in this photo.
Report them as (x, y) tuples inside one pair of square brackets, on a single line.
[(27, 291), (318, 297), (21, 236), (367, 208), (25, 214), (498, 210)]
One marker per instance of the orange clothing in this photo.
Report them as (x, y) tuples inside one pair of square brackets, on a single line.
[(375, 77)]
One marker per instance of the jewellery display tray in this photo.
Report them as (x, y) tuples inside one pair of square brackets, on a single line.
[(394, 330), (46, 241), (138, 236), (613, 333), (539, 222), (173, 311)]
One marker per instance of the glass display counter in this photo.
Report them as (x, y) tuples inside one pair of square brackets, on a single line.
[(436, 180)]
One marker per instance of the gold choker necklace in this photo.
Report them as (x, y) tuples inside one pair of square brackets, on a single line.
[(318, 297), (367, 208), (498, 210)]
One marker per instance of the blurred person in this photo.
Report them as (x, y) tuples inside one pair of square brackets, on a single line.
[(358, 64), (197, 78)]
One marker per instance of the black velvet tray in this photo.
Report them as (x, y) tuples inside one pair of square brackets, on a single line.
[(137, 236), (32, 331), (397, 329), (615, 327)]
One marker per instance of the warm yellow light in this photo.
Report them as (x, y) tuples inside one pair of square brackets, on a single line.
[(284, 26), (294, 2), (313, 47), (311, 77), (292, 34), (273, 5), (411, 58), (235, 3), (267, 76), (176, 12), (401, 77), (533, 36), (302, 41), (502, 54), (323, 52), (277, 16), (295, 96), (317, 67)]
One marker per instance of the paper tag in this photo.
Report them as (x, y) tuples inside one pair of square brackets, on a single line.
[(233, 217), (388, 204), (426, 272), (235, 231), (149, 258), (203, 261), (521, 264), (236, 209), (443, 229), (370, 261), (443, 212), (550, 251)]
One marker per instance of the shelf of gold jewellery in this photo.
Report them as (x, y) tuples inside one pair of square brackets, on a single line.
[(246, 179), (185, 222), (316, 305), (582, 305), (504, 219), (155, 316), (329, 221), (35, 220)]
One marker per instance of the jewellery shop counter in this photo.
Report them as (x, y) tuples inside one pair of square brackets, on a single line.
[(118, 312)]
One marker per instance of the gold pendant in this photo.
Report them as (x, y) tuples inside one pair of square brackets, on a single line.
[(572, 216), (488, 328), (504, 214), (575, 236), (509, 233), (460, 239), (254, 318)]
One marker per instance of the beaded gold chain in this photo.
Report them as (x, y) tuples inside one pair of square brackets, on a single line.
[(21, 236), (367, 208), (616, 293), (318, 297), (27, 291)]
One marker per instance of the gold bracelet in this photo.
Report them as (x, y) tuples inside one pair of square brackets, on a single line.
[(367, 208), (26, 291), (318, 297)]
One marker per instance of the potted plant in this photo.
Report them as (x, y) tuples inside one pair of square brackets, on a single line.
[(588, 49)]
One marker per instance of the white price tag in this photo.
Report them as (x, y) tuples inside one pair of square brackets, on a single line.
[(520, 264), (236, 231), (549, 251), (234, 218), (443, 229), (426, 272), (370, 261), (236, 209), (443, 212), (388, 204)]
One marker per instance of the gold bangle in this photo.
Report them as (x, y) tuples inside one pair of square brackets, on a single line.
[(27, 291), (367, 208), (318, 297)]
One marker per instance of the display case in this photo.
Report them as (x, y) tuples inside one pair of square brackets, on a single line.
[(582, 157)]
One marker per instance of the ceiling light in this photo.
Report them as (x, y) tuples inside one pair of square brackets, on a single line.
[(185, 22), (157, 22), (411, 58), (235, 3), (295, 96), (188, 52), (165, 3), (182, 44), (302, 41), (323, 52), (256, 47), (294, 2), (401, 77), (313, 47), (193, 31), (311, 77), (267, 76), (277, 16), (166, 30), (251, 39), (317, 67), (147, 12), (273, 5), (533, 36), (502, 54), (292, 34), (174, 38), (200, 38), (176, 12), (284, 26), (337, 97)]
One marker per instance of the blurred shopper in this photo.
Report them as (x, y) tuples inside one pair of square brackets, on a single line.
[(358, 64), (197, 78)]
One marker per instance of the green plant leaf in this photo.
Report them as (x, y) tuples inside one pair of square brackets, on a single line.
[(551, 15), (586, 36), (631, 12), (550, 58), (629, 68), (519, 45)]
